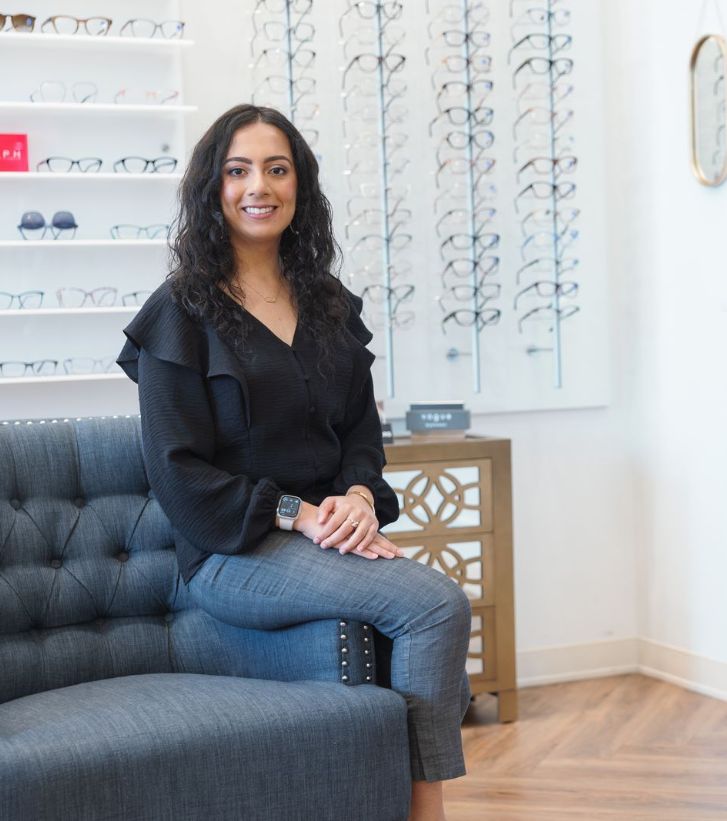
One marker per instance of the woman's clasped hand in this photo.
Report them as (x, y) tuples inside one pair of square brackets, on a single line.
[(348, 524)]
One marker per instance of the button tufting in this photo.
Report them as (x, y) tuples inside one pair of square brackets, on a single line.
[(15, 503), (169, 617), (122, 556), (55, 563), (79, 501)]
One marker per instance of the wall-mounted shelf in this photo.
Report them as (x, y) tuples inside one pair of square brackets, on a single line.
[(26, 312), (47, 176), (43, 40), (82, 243), (69, 377), (94, 108)]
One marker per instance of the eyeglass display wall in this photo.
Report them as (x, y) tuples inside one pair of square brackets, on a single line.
[(96, 90), (461, 145)]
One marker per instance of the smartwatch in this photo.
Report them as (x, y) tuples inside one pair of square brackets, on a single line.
[(288, 510)]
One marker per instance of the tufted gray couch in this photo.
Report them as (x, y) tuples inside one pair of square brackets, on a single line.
[(119, 699)]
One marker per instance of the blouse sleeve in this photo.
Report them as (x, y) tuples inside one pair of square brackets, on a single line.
[(363, 459), (216, 511)]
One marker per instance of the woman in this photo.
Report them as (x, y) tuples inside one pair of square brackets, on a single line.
[(261, 436)]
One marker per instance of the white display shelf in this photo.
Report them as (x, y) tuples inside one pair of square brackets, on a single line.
[(82, 243), (82, 40), (79, 175), (94, 108), (68, 377), (26, 312)]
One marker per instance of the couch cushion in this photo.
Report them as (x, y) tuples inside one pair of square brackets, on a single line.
[(187, 746)]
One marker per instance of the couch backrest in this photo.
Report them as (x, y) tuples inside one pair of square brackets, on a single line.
[(89, 584)]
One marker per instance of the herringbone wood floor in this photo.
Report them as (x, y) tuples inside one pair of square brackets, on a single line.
[(622, 747)]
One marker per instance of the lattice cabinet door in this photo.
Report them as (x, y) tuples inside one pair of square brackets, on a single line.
[(456, 516)]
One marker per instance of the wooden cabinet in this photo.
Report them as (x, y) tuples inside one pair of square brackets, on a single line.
[(456, 516)]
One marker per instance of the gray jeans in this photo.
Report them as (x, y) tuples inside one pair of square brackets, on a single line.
[(287, 579)]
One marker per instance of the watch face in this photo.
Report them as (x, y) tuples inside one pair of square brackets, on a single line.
[(288, 506)]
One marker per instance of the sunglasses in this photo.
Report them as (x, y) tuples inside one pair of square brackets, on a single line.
[(33, 225), (18, 22)]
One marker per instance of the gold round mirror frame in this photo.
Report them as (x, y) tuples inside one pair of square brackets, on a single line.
[(697, 167)]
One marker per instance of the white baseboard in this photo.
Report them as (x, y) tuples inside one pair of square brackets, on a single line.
[(549, 665)]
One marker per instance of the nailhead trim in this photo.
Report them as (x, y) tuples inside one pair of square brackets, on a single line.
[(344, 650)]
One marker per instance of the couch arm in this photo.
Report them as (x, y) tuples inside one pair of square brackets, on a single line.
[(324, 650)]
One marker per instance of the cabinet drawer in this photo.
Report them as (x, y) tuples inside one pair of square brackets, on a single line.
[(442, 497), (470, 563)]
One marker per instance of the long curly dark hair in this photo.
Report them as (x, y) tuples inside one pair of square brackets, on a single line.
[(202, 256)]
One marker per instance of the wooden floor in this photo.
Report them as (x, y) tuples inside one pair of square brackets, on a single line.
[(626, 747)]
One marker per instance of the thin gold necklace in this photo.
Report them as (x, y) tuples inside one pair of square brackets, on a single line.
[(266, 298)]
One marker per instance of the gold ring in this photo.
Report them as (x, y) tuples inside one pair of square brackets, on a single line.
[(354, 524)]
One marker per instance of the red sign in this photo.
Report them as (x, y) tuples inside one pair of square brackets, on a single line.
[(13, 152)]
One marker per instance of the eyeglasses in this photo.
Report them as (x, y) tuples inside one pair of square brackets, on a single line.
[(474, 13), (461, 215), (87, 165), (135, 297), (280, 57), (550, 165), (546, 190), (482, 293), (274, 31), (18, 22), (65, 24), (459, 115), (371, 62), (477, 88), (298, 6), (34, 221), (545, 240), (552, 42), (133, 96), (463, 242), (88, 364), (39, 367), (48, 367), (456, 64), (547, 265), (26, 299), (547, 288), (540, 115), (54, 91), (143, 27), (466, 318), (78, 297), (463, 267), (126, 231), (386, 11), (541, 17), (379, 294), (557, 67), (543, 218), (548, 312), (140, 165)]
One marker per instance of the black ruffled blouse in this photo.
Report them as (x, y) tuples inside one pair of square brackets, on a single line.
[(224, 435)]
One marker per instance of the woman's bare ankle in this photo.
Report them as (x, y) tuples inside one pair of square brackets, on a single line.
[(427, 803)]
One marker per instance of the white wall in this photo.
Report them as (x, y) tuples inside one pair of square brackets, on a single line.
[(619, 526)]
